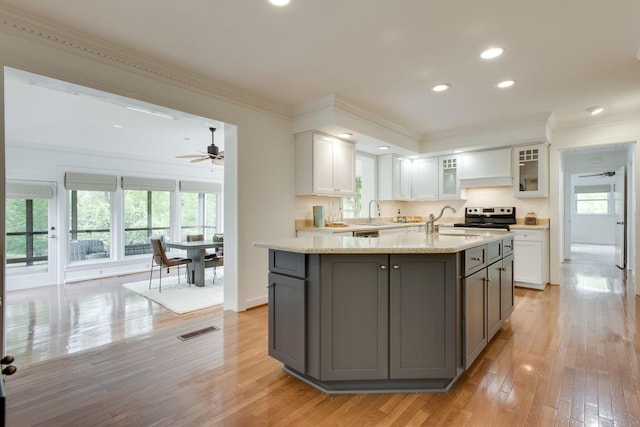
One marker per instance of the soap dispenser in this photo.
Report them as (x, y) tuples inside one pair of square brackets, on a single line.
[(398, 218)]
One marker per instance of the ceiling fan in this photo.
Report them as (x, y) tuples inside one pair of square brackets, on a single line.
[(216, 156), (599, 174)]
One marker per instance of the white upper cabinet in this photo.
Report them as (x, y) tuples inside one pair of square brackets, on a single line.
[(394, 178), (486, 168), (425, 178), (449, 182), (325, 165), (530, 165)]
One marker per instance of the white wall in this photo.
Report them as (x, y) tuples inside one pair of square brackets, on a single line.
[(259, 174)]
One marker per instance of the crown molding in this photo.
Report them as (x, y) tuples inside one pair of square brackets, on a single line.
[(334, 103), (16, 23), (598, 121), (533, 121)]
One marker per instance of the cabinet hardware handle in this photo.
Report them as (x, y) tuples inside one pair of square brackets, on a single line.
[(508, 246), (383, 267), (396, 267), (476, 259), (271, 285)]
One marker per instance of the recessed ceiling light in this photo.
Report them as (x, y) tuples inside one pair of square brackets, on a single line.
[(441, 87), (383, 147), (117, 125), (492, 53), (345, 135), (279, 2), (595, 110), (458, 151), (505, 84)]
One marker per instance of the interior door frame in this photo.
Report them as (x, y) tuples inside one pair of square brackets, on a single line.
[(620, 194), (565, 200)]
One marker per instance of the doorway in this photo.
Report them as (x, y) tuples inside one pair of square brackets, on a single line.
[(31, 234), (596, 205)]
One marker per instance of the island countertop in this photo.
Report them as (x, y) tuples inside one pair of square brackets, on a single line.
[(451, 241)]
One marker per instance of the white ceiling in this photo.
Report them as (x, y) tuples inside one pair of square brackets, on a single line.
[(384, 56)]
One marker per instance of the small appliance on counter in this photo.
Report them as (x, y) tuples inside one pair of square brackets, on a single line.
[(490, 217), (318, 216), (530, 219)]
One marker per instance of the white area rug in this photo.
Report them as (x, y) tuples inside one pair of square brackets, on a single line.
[(181, 298)]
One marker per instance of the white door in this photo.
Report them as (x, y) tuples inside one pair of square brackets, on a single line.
[(31, 235), (619, 211)]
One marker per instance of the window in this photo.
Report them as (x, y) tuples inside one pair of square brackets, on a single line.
[(89, 225), (27, 232), (366, 176), (199, 213), (199, 207), (146, 213), (593, 199)]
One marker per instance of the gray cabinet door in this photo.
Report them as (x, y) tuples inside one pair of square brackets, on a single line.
[(475, 319), (354, 312), (494, 309), (506, 286), (287, 326), (422, 316)]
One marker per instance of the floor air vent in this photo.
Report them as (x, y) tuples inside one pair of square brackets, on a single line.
[(197, 333)]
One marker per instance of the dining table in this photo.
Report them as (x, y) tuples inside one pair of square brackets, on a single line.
[(196, 250)]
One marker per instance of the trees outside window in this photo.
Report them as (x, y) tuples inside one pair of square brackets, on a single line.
[(27, 232), (146, 214), (89, 224), (199, 214), (366, 176)]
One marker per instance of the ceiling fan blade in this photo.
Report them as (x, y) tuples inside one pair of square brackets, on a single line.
[(189, 156), (199, 160)]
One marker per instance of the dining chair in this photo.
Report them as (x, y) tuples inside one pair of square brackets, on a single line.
[(161, 260)]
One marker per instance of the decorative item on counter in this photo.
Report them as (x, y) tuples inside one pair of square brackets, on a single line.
[(530, 219), (318, 216), (398, 218)]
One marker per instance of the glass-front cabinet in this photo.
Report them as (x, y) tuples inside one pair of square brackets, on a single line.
[(531, 171), (449, 187)]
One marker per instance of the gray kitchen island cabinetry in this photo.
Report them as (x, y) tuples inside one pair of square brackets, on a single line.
[(376, 316)]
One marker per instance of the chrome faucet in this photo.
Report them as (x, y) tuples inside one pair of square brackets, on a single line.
[(430, 226), (377, 206)]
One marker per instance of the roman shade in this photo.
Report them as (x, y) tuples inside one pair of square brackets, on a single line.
[(29, 190), (599, 188), (90, 182), (148, 184), (200, 187)]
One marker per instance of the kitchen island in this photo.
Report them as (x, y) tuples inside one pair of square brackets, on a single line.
[(399, 313)]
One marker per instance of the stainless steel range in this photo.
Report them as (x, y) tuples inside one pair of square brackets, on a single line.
[(490, 217)]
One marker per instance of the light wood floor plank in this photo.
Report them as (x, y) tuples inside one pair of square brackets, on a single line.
[(94, 354)]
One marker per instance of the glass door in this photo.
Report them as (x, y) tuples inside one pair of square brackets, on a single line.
[(31, 235)]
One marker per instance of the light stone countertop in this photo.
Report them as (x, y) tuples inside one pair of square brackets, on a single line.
[(349, 227), (406, 243)]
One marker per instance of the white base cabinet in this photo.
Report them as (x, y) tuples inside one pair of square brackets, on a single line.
[(531, 259)]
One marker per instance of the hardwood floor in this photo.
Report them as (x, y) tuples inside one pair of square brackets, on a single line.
[(568, 356)]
